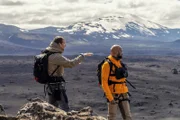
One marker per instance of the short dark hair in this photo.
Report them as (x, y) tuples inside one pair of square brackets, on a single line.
[(58, 39)]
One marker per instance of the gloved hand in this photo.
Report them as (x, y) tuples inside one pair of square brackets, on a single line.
[(113, 102)]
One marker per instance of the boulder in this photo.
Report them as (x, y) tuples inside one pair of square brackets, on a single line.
[(38, 109), (174, 71)]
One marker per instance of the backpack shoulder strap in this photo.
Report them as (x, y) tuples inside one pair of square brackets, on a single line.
[(54, 70), (110, 65), (123, 65)]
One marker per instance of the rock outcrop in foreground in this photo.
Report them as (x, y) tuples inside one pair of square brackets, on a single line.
[(38, 109)]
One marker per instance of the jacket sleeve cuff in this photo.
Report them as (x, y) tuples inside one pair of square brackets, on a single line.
[(110, 97)]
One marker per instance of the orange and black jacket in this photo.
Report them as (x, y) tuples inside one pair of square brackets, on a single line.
[(109, 90)]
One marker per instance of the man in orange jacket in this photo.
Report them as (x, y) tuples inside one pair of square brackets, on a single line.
[(115, 89)]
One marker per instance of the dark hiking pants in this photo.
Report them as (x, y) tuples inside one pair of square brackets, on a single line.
[(57, 95)]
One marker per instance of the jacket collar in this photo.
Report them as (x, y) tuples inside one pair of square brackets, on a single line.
[(54, 47), (114, 61)]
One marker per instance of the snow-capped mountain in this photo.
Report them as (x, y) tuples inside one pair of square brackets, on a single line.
[(114, 24), (117, 27), (128, 30)]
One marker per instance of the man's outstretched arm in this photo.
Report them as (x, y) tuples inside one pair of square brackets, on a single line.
[(67, 63)]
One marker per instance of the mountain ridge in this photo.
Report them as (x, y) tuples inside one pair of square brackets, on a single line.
[(102, 31)]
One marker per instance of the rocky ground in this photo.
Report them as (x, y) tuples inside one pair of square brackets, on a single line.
[(38, 109), (156, 96)]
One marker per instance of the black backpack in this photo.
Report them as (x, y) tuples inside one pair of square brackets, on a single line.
[(123, 71), (40, 68)]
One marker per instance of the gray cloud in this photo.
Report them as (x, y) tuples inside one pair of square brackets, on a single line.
[(40, 20), (10, 18), (66, 12), (11, 3), (99, 1), (174, 14), (130, 4), (136, 5), (72, 1)]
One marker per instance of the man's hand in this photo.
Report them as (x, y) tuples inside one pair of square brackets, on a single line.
[(87, 54), (113, 102)]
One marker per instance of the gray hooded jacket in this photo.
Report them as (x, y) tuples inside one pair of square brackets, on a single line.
[(58, 59)]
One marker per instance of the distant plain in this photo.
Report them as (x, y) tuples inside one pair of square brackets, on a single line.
[(156, 96)]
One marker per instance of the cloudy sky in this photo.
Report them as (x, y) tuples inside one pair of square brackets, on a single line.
[(41, 13)]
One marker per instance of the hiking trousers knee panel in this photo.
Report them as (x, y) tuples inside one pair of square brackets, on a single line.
[(125, 110), (112, 111), (123, 105)]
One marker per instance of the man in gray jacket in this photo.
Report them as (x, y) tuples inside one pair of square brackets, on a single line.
[(56, 64)]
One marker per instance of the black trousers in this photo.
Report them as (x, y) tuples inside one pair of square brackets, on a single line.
[(57, 95)]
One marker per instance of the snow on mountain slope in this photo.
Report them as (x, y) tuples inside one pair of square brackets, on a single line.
[(113, 24)]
